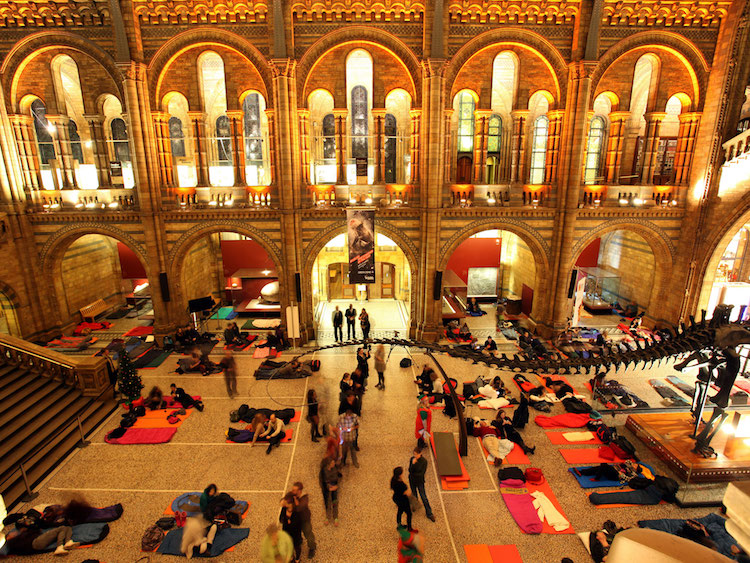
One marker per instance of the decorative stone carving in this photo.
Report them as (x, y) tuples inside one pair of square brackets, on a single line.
[(361, 11), (44, 13), (172, 12), (513, 11)]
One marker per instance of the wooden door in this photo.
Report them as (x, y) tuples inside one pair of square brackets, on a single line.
[(387, 280), (463, 170), (335, 282), (349, 289)]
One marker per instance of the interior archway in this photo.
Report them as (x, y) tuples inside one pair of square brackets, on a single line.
[(489, 267), (616, 274), (8, 317), (387, 300), (236, 272)]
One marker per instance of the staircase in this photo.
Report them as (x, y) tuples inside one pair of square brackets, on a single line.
[(38, 424)]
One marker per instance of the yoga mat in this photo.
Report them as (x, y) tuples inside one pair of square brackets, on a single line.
[(225, 539), (223, 313), (157, 361), (554, 378), (547, 490), (262, 353), (586, 483), (586, 455), (505, 554), (446, 454), (297, 416), (567, 420), (558, 439), (140, 331), (144, 436), (515, 457), (620, 505), (248, 325), (158, 419), (120, 313), (147, 358), (478, 554), (287, 437)]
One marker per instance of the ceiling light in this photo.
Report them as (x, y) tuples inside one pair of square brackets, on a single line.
[(265, 272)]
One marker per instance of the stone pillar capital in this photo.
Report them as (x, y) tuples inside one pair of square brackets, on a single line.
[(479, 113), (619, 116), (656, 116), (690, 117), (235, 114), (378, 112), (520, 114), (340, 112)]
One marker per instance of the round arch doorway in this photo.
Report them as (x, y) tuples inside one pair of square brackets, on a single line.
[(730, 284), (387, 301), (8, 318)]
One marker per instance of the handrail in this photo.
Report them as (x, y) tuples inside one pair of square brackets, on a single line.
[(31, 353), (8, 473)]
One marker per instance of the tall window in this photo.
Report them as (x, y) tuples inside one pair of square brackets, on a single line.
[(594, 149), (254, 128), (465, 122), (539, 150), (643, 76), (504, 79), (213, 87), (42, 129), (391, 132), (76, 149), (176, 137), (360, 122), (494, 143), (329, 137), (120, 140)]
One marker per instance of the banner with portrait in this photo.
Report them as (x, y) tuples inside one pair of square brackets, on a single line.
[(361, 235)]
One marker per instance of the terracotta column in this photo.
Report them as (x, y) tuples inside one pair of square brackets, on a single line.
[(340, 116), (164, 148), (101, 154), (613, 159), (238, 146), (553, 145), (305, 136), (450, 148), (27, 150), (62, 149), (685, 146), (201, 143), (651, 146), (481, 127), (378, 116), (416, 116), (518, 146)]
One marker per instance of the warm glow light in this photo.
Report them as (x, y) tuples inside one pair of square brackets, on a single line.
[(137, 288), (623, 201), (265, 272), (79, 205), (637, 201), (51, 128), (88, 144), (113, 204)]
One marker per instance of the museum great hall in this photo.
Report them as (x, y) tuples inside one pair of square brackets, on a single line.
[(556, 164)]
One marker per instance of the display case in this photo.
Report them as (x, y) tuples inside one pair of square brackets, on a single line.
[(601, 289)]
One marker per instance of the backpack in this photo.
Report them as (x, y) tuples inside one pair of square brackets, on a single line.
[(242, 411), (405, 363), (234, 416), (315, 365), (152, 537), (574, 405), (623, 448), (604, 433), (166, 522), (667, 486), (470, 389)]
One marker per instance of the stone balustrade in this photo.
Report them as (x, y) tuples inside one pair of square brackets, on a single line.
[(737, 147)]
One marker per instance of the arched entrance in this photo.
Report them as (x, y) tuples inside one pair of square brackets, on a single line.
[(92, 267), (235, 271), (388, 301), (8, 318), (487, 267), (616, 275), (728, 279)]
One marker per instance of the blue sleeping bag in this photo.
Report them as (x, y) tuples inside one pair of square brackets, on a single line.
[(586, 483), (713, 523), (224, 539), (85, 534)]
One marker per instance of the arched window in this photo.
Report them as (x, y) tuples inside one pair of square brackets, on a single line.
[(253, 114), (465, 122), (360, 122), (120, 145), (539, 150), (42, 130), (643, 77), (176, 137), (223, 139), (494, 143), (329, 137), (76, 150), (391, 132), (594, 149)]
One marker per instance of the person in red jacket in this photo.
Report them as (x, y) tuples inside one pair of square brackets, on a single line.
[(423, 424)]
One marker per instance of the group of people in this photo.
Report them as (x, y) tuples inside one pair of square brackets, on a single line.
[(283, 541), (155, 398), (337, 317)]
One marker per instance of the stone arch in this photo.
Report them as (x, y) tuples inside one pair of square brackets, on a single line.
[(676, 44), (207, 36), (179, 249), (404, 243), (536, 243), (29, 46), (12, 316), (521, 37), (10, 294), (361, 33), (714, 250), (661, 246)]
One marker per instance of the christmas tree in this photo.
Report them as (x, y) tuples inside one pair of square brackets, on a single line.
[(128, 381)]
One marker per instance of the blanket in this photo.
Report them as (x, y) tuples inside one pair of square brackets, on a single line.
[(224, 540), (85, 534), (585, 481), (143, 436), (567, 420), (713, 522)]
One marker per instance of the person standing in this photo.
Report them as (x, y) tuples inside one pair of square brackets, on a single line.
[(364, 322), (348, 425), (302, 507), (417, 469), (329, 481), (229, 365), (276, 546), (401, 496), (312, 415), (363, 356), (338, 324), (351, 328), (380, 365), (291, 523), (423, 423)]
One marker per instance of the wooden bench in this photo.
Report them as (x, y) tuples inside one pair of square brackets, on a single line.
[(93, 310)]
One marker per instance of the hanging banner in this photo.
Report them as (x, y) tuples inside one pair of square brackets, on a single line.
[(361, 234)]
